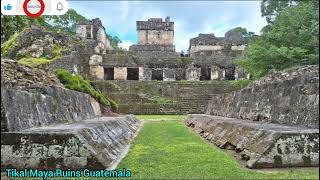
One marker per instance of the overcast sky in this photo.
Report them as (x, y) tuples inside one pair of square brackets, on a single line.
[(190, 17)]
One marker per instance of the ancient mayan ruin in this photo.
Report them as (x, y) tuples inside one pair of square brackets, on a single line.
[(271, 123), (154, 57)]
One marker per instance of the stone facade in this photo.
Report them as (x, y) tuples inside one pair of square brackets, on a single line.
[(155, 31), (220, 52), (155, 35), (154, 56)]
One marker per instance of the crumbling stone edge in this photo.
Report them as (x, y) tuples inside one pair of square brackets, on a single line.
[(127, 148)]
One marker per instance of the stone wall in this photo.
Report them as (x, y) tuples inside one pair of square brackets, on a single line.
[(74, 63), (154, 47), (260, 145), (44, 106), (155, 35), (93, 30), (159, 37), (290, 97), (218, 51), (222, 58), (120, 73), (96, 144), (32, 97)]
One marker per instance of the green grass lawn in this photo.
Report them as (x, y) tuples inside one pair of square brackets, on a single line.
[(161, 117), (169, 149)]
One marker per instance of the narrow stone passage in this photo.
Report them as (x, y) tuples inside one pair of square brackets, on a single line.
[(166, 148)]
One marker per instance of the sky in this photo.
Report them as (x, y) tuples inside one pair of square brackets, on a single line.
[(190, 17)]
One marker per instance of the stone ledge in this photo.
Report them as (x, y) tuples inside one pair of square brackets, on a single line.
[(95, 143), (152, 47), (262, 145)]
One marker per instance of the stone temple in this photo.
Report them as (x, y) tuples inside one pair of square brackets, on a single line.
[(155, 35), (154, 56), (95, 32)]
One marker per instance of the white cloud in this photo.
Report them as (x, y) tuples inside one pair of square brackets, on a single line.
[(126, 44)]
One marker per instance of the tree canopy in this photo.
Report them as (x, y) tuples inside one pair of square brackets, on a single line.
[(292, 39)]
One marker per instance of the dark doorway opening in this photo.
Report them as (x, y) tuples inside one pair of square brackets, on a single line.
[(181, 74), (157, 74), (88, 30), (109, 73), (132, 73), (230, 73), (205, 74)]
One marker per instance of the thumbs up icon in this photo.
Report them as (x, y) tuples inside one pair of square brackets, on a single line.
[(8, 7)]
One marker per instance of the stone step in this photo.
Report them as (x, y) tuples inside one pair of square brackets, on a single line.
[(94, 143), (262, 145)]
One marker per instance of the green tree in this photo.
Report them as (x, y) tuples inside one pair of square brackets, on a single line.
[(292, 39), (272, 8), (114, 41), (65, 23), (15, 24), (242, 31)]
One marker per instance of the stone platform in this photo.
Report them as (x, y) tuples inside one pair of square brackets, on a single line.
[(96, 143), (262, 145)]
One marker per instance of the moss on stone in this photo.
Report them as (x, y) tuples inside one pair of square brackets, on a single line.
[(240, 83), (185, 60), (78, 83), (34, 62), (161, 99), (56, 51), (9, 45)]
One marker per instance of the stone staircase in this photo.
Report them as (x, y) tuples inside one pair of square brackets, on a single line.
[(196, 103), (189, 96)]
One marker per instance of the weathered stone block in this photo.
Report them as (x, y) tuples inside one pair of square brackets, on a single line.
[(193, 74), (120, 73), (96, 72), (238, 48), (94, 143), (95, 60), (169, 75), (217, 73), (262, 145), (145, 74), (239, 73), (198, 48)]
